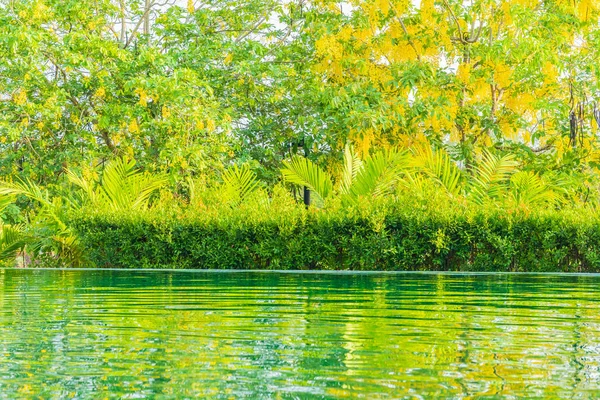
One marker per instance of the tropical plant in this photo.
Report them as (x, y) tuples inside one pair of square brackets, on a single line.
[(13, 241), (121, 187), (303, 172), (12, 238), (46, 234), (527, 189), (491, 177), (239, 183), (352, 167), (376, 175), (438, 167)]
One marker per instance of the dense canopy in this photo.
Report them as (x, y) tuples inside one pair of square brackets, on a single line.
[(131, 104), (188, 87)]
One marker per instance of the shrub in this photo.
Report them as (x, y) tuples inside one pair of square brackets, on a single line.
[(386, 235)]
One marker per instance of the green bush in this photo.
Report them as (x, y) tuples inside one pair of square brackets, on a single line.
[(387, 235)]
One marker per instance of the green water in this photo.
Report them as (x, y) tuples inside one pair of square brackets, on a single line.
[(163, 334)]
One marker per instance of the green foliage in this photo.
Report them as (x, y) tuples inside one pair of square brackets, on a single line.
[(352, 166), (239, 183), (122, 187), (301, 171), (187, 91), (529, 189), (409, 234), (439, 167), (46, 235), (13, 241), (378, 174), (491, 177)]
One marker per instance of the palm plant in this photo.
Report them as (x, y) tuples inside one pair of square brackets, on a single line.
[(491, 178), (12, 238), (528, 189), (438, 167), (239, 183), (46, 232), (122, 186), (13, 241), (374, 176), (303, 172), (378, 175)]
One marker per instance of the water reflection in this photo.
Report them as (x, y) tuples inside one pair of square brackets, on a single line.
[(140, 334)]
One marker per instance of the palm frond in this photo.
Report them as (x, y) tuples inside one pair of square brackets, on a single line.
[(529, 189), (122, 186), (47, 233), (438, 166), (85, 184), (352, 166), (239, 183), (379, 174), (68, 250), (491, 177), (26, 188), (12, 241), (301, 171), (5, 201)]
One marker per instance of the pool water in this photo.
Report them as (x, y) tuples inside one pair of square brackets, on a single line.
[(188, 334)]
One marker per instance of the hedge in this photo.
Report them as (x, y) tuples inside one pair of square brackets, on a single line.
[(388, 238)]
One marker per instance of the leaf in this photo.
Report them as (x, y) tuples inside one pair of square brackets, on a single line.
[(301, 171), (439, 167), (529, 189), (378, 175), (352, 166), (12, 241), (239, 183), (491, 177), (122, 186)]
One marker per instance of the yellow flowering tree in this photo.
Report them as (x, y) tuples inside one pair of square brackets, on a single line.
[(515, 74)]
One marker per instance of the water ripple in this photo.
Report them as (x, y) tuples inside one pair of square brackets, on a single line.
[(170, 334)]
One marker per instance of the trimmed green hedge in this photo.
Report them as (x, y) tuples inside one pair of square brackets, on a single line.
[(388, 238)]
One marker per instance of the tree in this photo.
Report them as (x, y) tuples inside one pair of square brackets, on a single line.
[(93, 79), (513, 74)]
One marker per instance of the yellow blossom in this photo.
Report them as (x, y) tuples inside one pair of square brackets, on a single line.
[(502, 75), (210, 125), (133, 126), (20, 97), (143, 97), (100, 93), (464, 72)]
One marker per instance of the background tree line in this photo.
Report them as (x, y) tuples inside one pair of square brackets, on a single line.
[(187, 88)]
